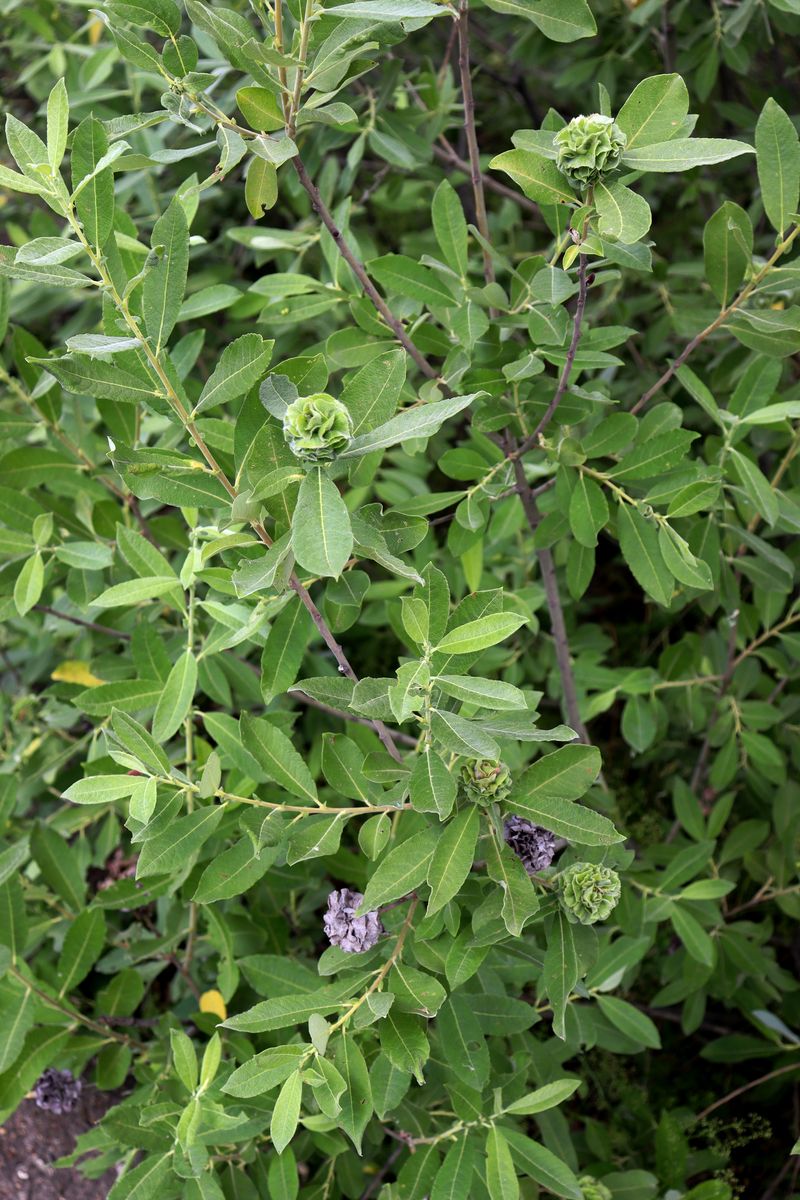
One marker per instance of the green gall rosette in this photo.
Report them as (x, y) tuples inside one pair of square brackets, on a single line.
[(593, 1189), (589, 148), (485, 780), (317, 427), (588, 893)]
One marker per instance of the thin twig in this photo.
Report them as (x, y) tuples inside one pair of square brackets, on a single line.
[(472, 137), (296, 694), (736, 303), (746, 1087), (358, 269), (563, 382), (117, 633)]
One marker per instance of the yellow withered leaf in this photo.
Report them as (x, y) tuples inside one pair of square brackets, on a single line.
[(212, 1002), (74, 671)]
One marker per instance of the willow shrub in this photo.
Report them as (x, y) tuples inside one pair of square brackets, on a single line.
[(400, 654)]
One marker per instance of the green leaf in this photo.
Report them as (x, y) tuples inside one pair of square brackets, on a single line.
[(454, 1177), (57, 124), (233, 872), (778, 163), (655, 110), (260, 108), (278, 758), (322, 536), (501, 1175), (566, 774), (100, 789), (404, 868), (422, 420), (631, 1021), (240, 366), (184, 1058), (286, 1112), (99, 378), (174, 849), (623, 215), (759, 492), (58, 864), (409, 279), (538, 177), (559, 20), (682, 154), (452, 859), (136, 739), (265, 1071), (176, 699), (728, 249), (134, 591), (383, 10), (520, 900), (544, 1098), (638, 542), (467, 1054), (539, 1163), (165, 283), (162, 16), (145, 1181), (432, 787), (480, 634), (261, 187), (698, 943), (450, 227), (82, 947), (95, 201), (485, 693), (356, 1101), (29, 584), (588, 510)]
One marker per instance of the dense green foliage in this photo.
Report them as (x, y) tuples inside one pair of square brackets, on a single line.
[(399, 493)]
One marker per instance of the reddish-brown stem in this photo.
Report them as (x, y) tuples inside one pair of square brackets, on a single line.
[(471, 136), (358, 269)]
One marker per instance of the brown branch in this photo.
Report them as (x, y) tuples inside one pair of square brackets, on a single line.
[(296, 694), (736, 303), (472, 137), (746, 1087), (563, 382), (343, 663), (117, 633), (358, 269), (557, 624)]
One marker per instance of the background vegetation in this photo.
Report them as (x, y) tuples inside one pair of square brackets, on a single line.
[(236, 679)]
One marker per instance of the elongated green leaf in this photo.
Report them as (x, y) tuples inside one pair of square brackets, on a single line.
[(682, 154), (165, 283), (173, 849), (638, 541), (322, 536), (421, 421), (450, 227), (452, 858), (57, 122), (403, 275), (728, 249), (176, 699), (624, 215), (278, 758), (538, 177), (453, 1179), (655, 110), (286, 1112), (95, 202), (264, 1071), (501, 1175), (356, 1101), (537, 1162), (240, 366), (559, 20), (401, 870), (480, 634), (778, 163), (631, 1021), (82, 947)]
